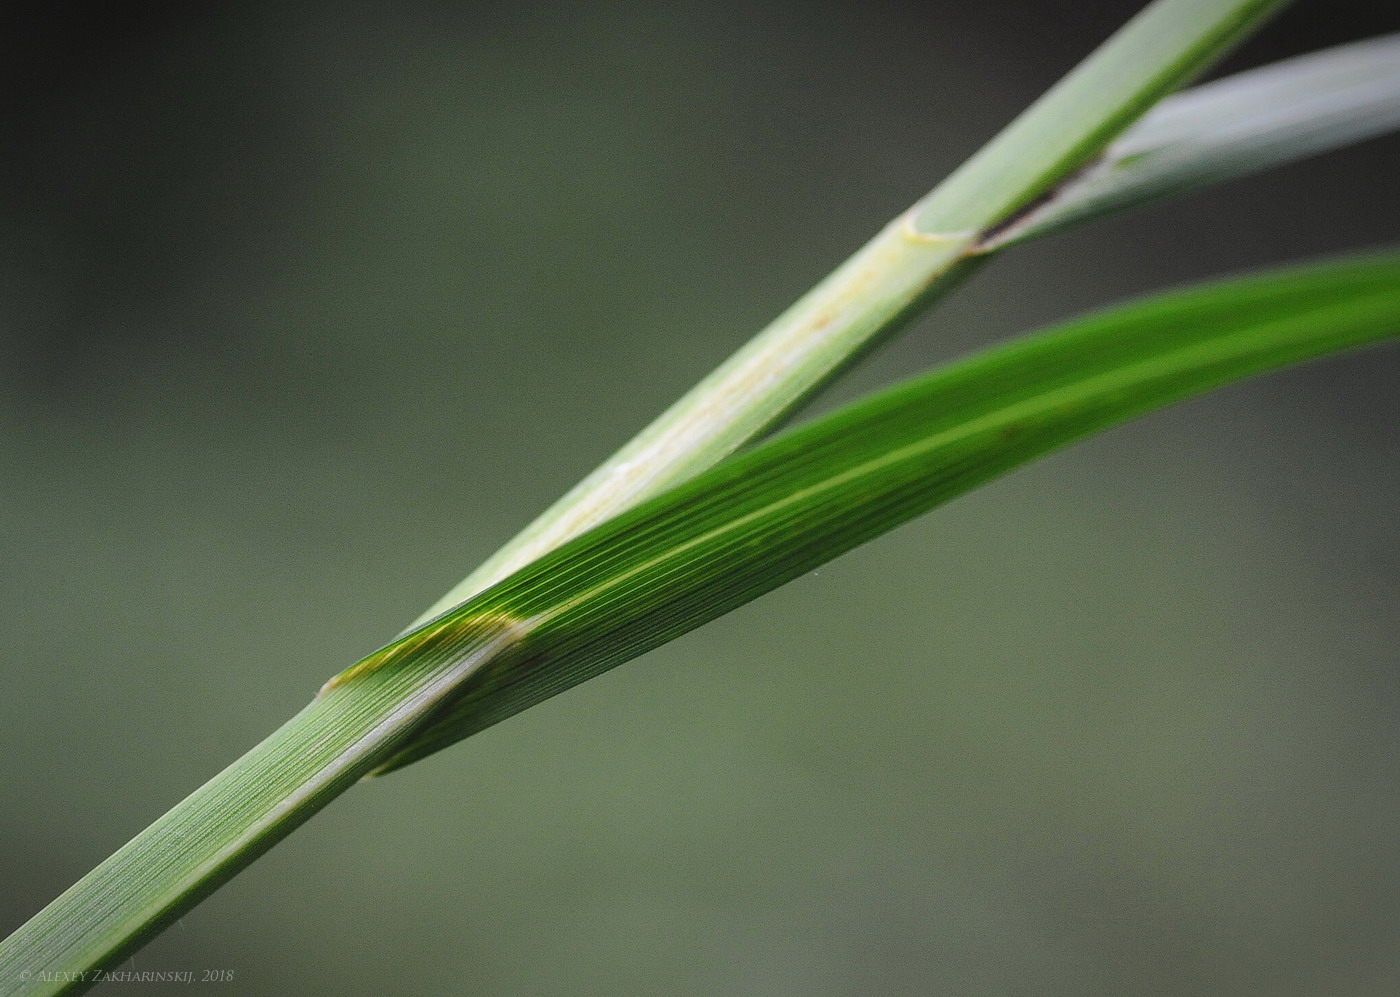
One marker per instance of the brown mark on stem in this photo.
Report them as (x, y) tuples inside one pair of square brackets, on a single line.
[(1024, 216)]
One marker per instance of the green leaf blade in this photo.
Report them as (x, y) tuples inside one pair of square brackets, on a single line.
[(769, 515)]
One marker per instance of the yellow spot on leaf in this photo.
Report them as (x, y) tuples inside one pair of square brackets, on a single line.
[(476, 630)]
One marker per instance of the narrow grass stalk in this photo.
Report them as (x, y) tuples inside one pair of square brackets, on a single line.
[(920, 255), (1229, 128), (228, 822)]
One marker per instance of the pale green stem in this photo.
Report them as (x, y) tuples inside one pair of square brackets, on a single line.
[(231, 820), (809, 343), (1227, 129), (922, 252)]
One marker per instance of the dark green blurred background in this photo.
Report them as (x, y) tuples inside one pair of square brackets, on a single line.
[(306, 310)]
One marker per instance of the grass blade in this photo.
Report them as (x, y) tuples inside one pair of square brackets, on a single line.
[(766, 516), (918, 257), (1226, 129), (1152, 55)]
